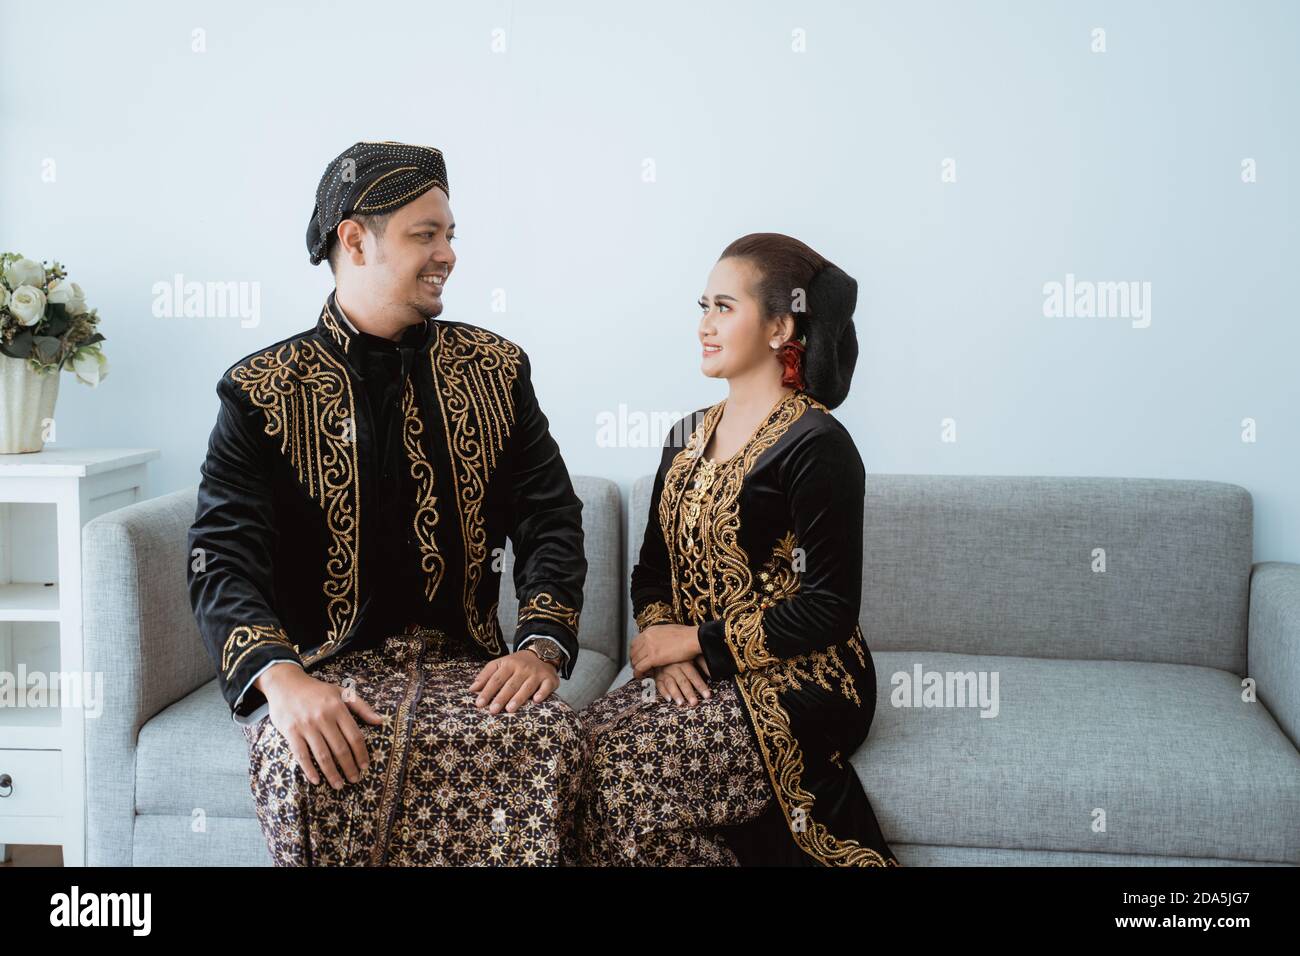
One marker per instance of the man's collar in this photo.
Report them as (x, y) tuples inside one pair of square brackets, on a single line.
[(334, 326)]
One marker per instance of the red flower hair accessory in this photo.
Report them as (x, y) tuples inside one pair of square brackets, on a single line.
[(790, 355)]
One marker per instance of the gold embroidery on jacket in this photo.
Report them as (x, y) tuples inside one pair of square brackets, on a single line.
[(307, 397), (657, 612), (474, 372), (426, 510), (331, 323), (544, 606), (244, 639)]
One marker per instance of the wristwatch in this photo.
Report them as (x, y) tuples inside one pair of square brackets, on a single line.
[(548, 649)]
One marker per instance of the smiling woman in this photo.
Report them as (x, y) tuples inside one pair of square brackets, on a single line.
[(756, 684)]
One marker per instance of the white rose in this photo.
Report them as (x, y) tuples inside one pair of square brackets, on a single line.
[(60, 291), (28, 304), (4, 296), (69, 294), (24, 272), (76, 304), (91, 366)]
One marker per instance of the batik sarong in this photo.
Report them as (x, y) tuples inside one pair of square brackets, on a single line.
[(448, 784), (667, 780)]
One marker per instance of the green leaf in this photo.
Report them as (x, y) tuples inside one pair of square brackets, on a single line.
[(93, 339), (57, 320), (47, 348), (21, 346)]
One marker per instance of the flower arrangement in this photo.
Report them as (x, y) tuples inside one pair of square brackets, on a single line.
[(44, 320)]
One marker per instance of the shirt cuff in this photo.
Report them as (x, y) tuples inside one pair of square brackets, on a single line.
[(263, 710)]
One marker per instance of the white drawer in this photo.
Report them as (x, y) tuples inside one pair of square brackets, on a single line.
[(36, 779)]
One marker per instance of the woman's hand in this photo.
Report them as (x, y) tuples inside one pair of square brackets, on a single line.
[(682, 680), (663, 644)]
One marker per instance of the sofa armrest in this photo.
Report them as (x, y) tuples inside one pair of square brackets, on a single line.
[(1273, 642), (139, 632)]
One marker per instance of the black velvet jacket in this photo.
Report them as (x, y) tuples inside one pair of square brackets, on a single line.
[(763, 552), (353, 486)]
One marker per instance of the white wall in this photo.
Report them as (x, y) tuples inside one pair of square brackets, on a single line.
[(1122, 165)]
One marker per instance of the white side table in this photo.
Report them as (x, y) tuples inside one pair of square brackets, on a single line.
[(45, 498)]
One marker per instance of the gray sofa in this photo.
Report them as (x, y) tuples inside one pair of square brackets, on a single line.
[(1123, 733)]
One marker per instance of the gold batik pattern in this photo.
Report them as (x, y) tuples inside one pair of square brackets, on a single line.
[(426, 507), (719, 561), (545, 607), (307, 399), (448, 785), (244, 639), (665, 779), (474, 372)]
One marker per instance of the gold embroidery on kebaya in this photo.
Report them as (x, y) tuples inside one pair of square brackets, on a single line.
[(855, 642), (670, 501), (732, 597), (546, 607), (818, 667), (780, 582), (784, 759), (244, 639), (426, 511), (474, 372), (307, 397), (657, 612), (709, 569), (779, 578), (331, 323)]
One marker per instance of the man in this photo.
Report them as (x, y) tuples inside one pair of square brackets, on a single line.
[(359, 485)]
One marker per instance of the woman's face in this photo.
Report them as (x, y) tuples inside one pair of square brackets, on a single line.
[(735, 337)]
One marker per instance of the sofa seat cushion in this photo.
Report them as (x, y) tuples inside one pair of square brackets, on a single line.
[(1179, 763)]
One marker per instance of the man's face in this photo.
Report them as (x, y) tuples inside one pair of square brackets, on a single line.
[(409, 264)]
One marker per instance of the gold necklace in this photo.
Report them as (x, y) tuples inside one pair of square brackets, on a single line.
[(705, 472)]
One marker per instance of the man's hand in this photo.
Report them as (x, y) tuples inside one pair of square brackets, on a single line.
[(682, 680), (662, 644), (511, 680), (315, 718)]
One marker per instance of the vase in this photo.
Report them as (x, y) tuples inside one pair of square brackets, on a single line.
[(26, 404)]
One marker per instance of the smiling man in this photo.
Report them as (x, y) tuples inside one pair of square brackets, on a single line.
[(359, 485)]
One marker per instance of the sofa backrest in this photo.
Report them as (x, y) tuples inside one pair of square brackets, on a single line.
[(602, 594), (1081, 568)]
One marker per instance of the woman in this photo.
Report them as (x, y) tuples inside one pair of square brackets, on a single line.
[(756, 687)]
